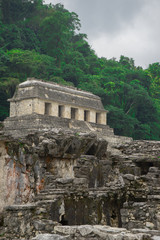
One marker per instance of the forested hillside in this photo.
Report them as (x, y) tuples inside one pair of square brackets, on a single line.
[(43, 41)]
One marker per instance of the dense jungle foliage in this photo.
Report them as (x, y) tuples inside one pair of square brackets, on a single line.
[(43, 41)]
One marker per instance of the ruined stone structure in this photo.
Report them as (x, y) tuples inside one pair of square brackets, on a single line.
[(75, 182), (37, 105), (51, 99), (55, 181)]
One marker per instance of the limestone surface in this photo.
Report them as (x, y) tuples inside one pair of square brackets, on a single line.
[(79, 185), (49, 237)]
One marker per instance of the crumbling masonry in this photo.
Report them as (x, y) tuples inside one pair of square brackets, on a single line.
[(76, 180)]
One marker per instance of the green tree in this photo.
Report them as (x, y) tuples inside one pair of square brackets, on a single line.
[(127, 62), (24, 63), (57, 31), (122, 123), (13, 11)]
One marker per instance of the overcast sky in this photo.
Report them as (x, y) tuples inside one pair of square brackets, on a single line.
[(120, 27)]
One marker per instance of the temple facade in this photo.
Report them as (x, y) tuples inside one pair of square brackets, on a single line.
[(50, 99)]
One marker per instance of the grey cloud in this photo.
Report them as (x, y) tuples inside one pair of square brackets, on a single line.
[(115, 27), (105, 15)]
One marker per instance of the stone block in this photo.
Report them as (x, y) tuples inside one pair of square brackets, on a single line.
[(50, 237)]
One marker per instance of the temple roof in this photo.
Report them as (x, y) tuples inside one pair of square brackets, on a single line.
[(48, 91)]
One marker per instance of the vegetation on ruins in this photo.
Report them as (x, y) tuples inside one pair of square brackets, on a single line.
[(43, 41)]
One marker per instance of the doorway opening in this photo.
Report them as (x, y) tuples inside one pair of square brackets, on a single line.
[(98, 118), (86, 115), (74, 112), (60, 111), (47, 108)]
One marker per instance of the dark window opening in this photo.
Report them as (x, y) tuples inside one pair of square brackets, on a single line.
[(92, 150), (60, 110), (144, 167), (74, 113), (112, 213), (47, 109), (98, 118), (86, 115), (69, 150), (63, 221), (73, 147), (113, 216)]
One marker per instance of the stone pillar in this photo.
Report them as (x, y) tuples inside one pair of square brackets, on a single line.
[(80, 114), (54, 110), (12, 109), (66, 112), (92, 116), (74, 113), (3, 175), (35, 105), (38, 106), (103, 118)]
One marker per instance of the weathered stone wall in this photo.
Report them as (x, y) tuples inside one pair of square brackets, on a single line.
[(35, 96), (20, 108), (20, 126), (72, 178), (57, 93), (98, 232), (12, 109), (20, 219), (30, 106), (3, 189), (19, 174)]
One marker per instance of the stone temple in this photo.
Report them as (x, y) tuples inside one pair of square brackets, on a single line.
[(40, 105), (35, 96)]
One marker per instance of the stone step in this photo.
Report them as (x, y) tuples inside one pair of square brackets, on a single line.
[(66, 189), (154, 197), (50, 176), (65, 183), (154, 189), (44, 225), (2, 237), (50, 194), (6, 238), (147, 231), (46, 197), (52, 190), (48, 187), (44, 202)]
